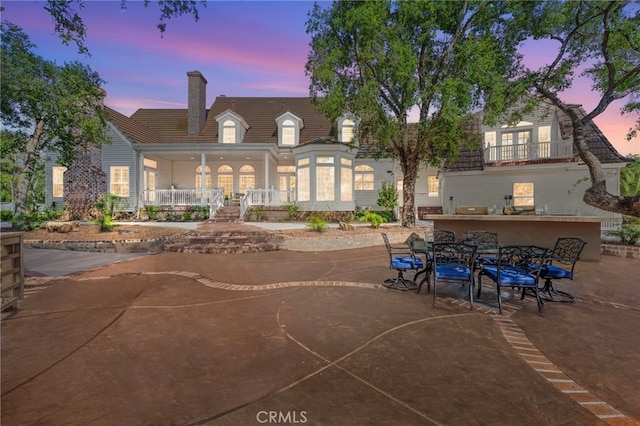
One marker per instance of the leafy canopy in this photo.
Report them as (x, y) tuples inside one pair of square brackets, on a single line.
[(60, 105)]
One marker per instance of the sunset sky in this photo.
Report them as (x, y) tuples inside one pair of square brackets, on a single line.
[(243, 48)]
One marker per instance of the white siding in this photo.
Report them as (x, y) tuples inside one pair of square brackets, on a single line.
[(120, 153)]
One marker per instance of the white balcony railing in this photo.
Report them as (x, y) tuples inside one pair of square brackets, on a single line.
[(528, 151)]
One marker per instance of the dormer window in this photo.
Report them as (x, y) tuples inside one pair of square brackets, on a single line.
[(288, 133), (289, 127), (347, 129), (231, 127), (228, 132)]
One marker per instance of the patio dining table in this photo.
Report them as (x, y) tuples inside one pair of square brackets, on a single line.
[(426, 247)]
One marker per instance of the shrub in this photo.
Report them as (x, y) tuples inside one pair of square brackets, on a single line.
[(202, 212), (34, 219), (316, 223), (187, 216), (293, 210), (152, 212), (6, 215), (106, 206), (629, 234), (374, 219)]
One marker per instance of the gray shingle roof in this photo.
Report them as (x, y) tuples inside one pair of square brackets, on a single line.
[(170, 125)]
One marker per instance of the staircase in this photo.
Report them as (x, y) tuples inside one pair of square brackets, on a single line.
[(227, 214), (224, 238)]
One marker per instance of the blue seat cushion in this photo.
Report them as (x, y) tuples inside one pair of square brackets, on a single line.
[(510, 276), (550, 271), (453, 271), (406, 263)]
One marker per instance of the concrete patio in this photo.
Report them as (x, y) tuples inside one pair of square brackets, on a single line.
[(314, 338)]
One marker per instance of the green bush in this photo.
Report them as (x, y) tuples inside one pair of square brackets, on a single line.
[(187, 216), (152, 212), (316, 223), (106, 207), (202, 212), (35, 219), (6, 215), (629, 234), (293, 210), (374, 219)]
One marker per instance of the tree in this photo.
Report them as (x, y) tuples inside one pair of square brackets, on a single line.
[(379, 59), (602, 38), (71, 28), (58, 108), (12, 156)]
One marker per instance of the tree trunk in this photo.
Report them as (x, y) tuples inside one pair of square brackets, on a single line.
[(410, 172), (597, 195), (26, 174)]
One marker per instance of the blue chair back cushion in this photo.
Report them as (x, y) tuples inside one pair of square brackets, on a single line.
[(510, 276), (550, 271), (453, 271), (406, 263)]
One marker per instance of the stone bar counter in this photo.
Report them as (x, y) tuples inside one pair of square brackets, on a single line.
[(541, 230)]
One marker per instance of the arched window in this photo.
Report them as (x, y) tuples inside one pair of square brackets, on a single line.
[(364, 178), (229, 132), (288, 133), (347, 132), (225, 179), (199, 177), (247, 178)]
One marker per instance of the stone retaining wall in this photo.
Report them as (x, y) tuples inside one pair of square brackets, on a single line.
[(631, 252), (120, 246)]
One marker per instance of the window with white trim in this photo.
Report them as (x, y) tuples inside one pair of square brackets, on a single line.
[(304, 183), (433, 186), (523, 194), (544, 141), (288, 133), (347, 131), (325, 179), (199, 177), (225, 179), (247, 178), (229, 131), (490, 144), (364, 178), (119, 180), (57, 179)]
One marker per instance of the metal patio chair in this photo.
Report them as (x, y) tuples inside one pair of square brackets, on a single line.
[(453, 262), (561, 264), (517, 266), (401, 259)]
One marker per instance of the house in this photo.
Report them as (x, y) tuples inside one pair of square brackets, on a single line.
[(280, 150), (269, 151), (531, 163)]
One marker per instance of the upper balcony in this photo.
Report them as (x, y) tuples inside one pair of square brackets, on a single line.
[(528, 151)]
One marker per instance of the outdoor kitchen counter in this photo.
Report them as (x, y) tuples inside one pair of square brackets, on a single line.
[(541, 230)]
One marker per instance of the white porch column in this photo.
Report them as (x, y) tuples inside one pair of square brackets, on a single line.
[(203, 178), (266, 171), (140, 184)]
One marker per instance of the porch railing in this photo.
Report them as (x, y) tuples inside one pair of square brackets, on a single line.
[(214, 198), (528, 151), (265, 197)]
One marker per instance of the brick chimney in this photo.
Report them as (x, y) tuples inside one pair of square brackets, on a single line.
[(197, 115)]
